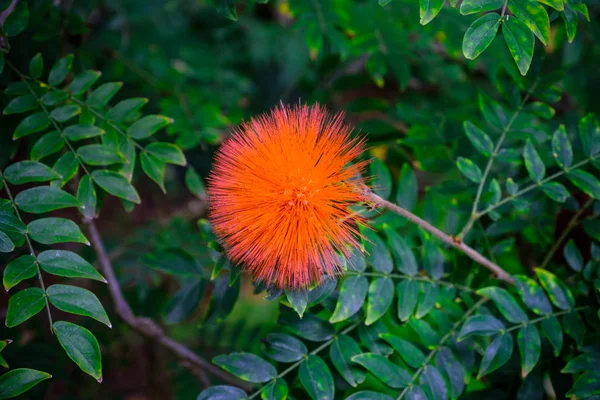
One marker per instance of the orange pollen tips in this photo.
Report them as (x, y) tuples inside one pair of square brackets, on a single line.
[(280, 195)]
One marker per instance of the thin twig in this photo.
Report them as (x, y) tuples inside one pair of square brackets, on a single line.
[(493, 156), (565, 232), (148, 327), (452, 241)]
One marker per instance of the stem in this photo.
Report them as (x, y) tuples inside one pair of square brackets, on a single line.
[(43, 106), (493, 156), (540, 319), (452, 241), (31, 251), (147, 327), (297, 364), (566, 232), (433, 352), (537, 185), (414, 278)]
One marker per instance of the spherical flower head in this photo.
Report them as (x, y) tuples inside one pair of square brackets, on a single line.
[(280, 195)]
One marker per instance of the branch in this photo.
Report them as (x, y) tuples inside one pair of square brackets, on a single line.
[(147, 327), (456, 243)]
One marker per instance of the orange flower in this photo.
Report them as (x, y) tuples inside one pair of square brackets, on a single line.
[(280, 195)]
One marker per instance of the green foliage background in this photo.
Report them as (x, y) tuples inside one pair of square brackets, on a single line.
[(479, 116)]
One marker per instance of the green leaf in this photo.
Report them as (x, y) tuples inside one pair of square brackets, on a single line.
[(383, 369), (83, 81), (535, 17), (378, 255), (20, 380), (277, 390), (81, 346), (341, 352), (405, 258), (36, 66), (479, 139), (65, 113), (44, 199), (24, 305), (520, 42), (582, 363), (480, 35), (428, 9), (433, 259), (247, 367), (506, 304), (18, 270), (449, 365), (21, 104), (48, 144), (410, 353), (382, 178), (496, 354), (433, 383), (6, 244), (17, 20), (76, 300), (100, 155), (428, 336), (555, 191), (32, 124), (381, 294), (408, 295), (116, 184), (298, 299), (283, 348), (556, 4), (171, 261), (103, 94), (530, 346), (574, 327), (68, 264), (559, 293), (154, 168), (407, 188), (10, 224), (316, 378), (480, 325), (469, 169), (81, 132), (369, 337), (29, 171), (570, 17), (223, 300), (125, 109), (561, 147), (586, 386), (534, 164), (540, 109), (55, 230), (222, 392), (477, 6), (166, 153), (194, 183), (67, 167), (589, 134), (573, 256), (415, 393), (552, 331), (310, 327), (148, 126), (366, 394), (586, 182), (184, 302), (54, 98), (428, 299), (532, 295), (86, 195), (60, 70), (352, 296)]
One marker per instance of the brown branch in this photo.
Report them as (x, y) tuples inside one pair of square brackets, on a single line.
[(147, 327), (452, 241)]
